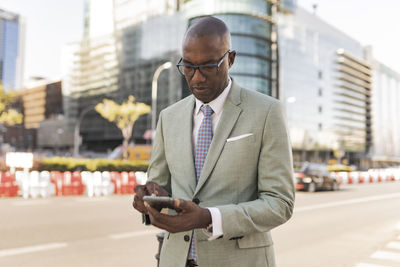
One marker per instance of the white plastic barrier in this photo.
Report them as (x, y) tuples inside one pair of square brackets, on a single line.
[(141, 177), (102, 184), (46, 187), (88, 180), (108, 186), (22, 179)]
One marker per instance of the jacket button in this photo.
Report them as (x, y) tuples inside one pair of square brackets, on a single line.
[(186, 238), (196, 201)]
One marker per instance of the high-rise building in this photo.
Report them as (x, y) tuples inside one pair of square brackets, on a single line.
[(326, 88), (11, 50), (385, 108), (146, 35), (251, 25)]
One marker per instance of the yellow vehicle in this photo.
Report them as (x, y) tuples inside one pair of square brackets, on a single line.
[(340, 168), (139, 152)]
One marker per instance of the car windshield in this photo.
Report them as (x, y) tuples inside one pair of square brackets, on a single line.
[(301, 166)]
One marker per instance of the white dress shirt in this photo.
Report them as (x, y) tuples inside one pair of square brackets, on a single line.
[(217, 106)]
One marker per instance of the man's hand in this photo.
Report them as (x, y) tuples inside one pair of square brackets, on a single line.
[(191, 217), (149, 189)]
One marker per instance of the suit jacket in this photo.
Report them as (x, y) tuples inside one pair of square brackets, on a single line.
[(248, 178)]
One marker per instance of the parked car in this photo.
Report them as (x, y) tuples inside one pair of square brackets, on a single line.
[(314, 176)]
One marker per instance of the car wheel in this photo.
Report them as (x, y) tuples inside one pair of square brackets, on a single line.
[(311, 187), (335, 186)]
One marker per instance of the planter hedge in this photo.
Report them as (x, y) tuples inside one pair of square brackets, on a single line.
[(73, 164)]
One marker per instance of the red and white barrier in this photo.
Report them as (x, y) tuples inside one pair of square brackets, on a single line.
[(371, 176), (36, 184), (8, 185)]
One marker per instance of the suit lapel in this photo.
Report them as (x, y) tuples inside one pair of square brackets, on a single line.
[(186, 125), (229, 116)]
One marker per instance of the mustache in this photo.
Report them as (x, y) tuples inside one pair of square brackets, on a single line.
[(199, 85)]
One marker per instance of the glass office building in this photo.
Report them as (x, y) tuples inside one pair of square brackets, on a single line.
[(122, 63), (385, 113), (250, 23), (325, 87), (10, 50), (148, 34)]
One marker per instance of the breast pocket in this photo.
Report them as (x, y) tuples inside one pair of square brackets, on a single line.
[(240, 148), (238, 155)]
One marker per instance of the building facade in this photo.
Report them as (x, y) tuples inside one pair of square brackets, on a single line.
[(11, 50), (146, 35), (326, 87), (385, 115)]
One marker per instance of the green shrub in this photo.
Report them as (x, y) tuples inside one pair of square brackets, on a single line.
[(73, 164)]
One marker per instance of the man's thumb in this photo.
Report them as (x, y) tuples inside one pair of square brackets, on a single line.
[(180, 203)]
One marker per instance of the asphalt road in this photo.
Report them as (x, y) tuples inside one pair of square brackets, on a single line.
[(357, 226)]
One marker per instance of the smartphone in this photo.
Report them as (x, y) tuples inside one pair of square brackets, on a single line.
[(160, 202)]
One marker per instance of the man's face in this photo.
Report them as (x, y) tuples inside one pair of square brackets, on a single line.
[(207, 50)]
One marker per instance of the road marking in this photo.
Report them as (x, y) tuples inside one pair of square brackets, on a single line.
[(347, 202), (17, 251), (394, 245), (30, 203), (370, 265), (92, 199), (134, 234), (386, 255)]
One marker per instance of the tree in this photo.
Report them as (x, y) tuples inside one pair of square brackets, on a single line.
[(123, 116), (8, 115)]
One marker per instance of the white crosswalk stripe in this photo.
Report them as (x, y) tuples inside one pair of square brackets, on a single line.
[(386, 255), (370, 265), (393, 245), (390, 255)]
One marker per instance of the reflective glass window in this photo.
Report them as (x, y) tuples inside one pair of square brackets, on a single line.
[(251, 65), (196, 8), (253, 46), (242, 24), (253, 83)]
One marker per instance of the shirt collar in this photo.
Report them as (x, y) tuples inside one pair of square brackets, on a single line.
[(218, 103)]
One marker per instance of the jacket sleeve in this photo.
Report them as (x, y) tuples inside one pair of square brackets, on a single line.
[(158, 170), (275, 202)]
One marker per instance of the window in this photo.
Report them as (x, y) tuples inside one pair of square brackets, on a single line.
[(319, 109), (320, 74), (320, 126), (320, 90)]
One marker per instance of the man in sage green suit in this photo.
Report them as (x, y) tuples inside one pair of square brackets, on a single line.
[(247, 173)]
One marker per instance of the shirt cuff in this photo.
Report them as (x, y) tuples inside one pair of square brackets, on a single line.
[(216, 221)]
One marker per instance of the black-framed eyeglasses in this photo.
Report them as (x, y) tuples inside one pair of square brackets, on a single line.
[(205, 70)]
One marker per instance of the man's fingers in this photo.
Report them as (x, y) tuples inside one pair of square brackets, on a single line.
[(139, 189), (182, 204), (138, 204), (157, 219), (151, 188)]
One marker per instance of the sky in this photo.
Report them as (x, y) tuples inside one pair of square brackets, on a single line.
[(50, 24), (371, 22)]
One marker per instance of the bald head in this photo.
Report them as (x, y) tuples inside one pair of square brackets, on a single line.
[(207, 50), (209, 27)]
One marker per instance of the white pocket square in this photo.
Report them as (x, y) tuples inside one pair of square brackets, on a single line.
[(238, 137)]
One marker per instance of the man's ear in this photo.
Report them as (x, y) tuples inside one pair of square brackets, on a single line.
[(231, 58)]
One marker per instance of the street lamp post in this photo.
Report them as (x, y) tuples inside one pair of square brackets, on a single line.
[(157, 73), (77, 130)]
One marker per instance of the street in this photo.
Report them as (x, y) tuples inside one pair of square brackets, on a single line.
[(357, 226)]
